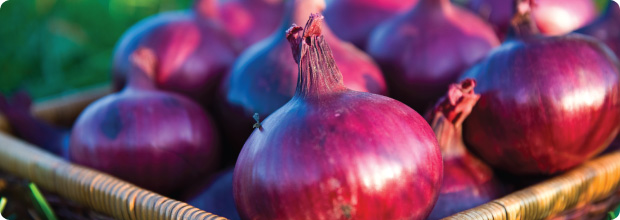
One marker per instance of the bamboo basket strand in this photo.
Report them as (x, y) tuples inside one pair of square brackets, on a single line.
[(91, 188), (591, 182)]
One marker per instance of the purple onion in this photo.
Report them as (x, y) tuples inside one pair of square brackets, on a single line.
[(425, 49), (154, 139)]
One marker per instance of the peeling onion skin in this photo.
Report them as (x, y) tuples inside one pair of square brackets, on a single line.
[(606, 28), (354, 20), (193, 54), (334, 153), (467, 181), (154, 139), (264, 76), (248, 20), (424, 50), (547, 103)]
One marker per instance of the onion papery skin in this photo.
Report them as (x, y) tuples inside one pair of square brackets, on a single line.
[(217, 197), (155, 139), (606, 28), (193, 54), (354, 20), (250, 21), (424, 50), (467, 181), (553, 17), (547, 103), (263, 79), (334, 153)]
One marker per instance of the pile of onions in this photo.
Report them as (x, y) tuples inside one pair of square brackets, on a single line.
[(335, 153), (154, 139), (16, 110), (424, 50), (193, 54), (248, 20), (353, 20), (547, 103), (217, 196), (553, 17), (606, 28), (263, 78), (467, 181)]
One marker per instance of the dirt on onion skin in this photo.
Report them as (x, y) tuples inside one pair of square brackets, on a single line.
[(20, 205)]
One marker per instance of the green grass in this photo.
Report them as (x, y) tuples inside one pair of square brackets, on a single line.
[(51, 46)]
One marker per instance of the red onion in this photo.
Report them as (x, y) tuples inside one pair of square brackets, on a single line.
[(547, 103), (263, 78), (16, 109), (192, 54), (248, 20), (217, 196), (606, 28), (353, 20), (553, 17), (424, 50), (467, 181), (335, 153), (155, 139)]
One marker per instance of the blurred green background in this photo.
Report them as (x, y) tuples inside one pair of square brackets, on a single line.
[(51, 46)]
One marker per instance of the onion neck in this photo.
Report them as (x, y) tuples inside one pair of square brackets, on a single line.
[(318, 73), (448, 117), (522, 25), (297, 12), (143, 70)]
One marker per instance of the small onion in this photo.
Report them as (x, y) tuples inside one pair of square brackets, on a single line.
[(155, 139), (354, 20), (193, 54), (424, 50), (248, 20)]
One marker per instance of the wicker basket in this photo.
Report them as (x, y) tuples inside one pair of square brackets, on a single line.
[(593, 184)]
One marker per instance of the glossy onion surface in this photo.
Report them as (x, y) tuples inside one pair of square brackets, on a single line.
[(547, 103)]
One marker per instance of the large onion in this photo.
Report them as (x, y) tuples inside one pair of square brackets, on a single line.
[(193, 54), (263, 78), (424, 50), (334, 153), (547, 103), (157, 140), (353, 20)]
